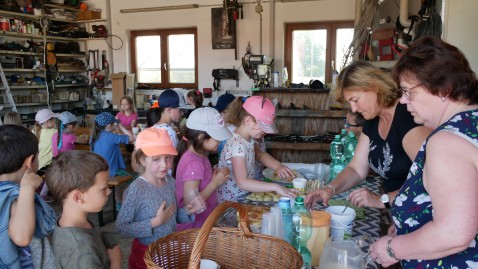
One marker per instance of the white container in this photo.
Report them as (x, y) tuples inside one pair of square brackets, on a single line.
[(341, 224), (275, 79)]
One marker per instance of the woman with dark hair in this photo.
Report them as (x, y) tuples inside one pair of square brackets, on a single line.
[(389, 140), (435, 213)]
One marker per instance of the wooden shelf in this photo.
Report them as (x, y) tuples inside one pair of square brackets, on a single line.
[(297, 146), (72, 70), (22, 70), (71, 85), (25, 87), (19, 15), (61, 6), (15, 52), (21, 35), (311, 113), (70, 55), (76, 21)]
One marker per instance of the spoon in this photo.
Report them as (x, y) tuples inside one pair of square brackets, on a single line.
[(346, 206)]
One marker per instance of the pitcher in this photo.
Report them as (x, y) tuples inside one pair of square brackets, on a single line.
[(345, 253)]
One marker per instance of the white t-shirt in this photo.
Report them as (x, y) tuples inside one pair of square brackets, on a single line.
[(236, 146), (171, 132)]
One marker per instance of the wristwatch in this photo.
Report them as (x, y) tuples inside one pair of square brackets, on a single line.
[(385, 198), (390, 251)]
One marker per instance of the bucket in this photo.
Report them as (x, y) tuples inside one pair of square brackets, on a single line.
[(341, 224)]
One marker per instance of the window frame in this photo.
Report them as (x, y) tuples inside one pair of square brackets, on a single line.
[(330, 51), (164, 33)]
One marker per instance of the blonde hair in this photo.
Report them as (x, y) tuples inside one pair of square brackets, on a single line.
[(365, 76), (12, 118), (130, 101)]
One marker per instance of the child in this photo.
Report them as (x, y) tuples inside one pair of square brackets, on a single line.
[(76, 242), (194, 98), (170, 105), (253, 119), (44, 130), (353, 123), (221, 105), (12, 117), (25, 218), (65, 139), (127, 115), (204, 129), (105, 142), (149, 209)]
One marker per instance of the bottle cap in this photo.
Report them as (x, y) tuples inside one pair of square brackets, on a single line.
[(320, 218), (299, 200)]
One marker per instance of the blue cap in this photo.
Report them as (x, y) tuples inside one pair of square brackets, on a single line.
[(67, 117), (223, 101), (105, 118), (173, 99)]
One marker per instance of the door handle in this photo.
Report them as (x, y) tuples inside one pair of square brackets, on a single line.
[(165, 67)]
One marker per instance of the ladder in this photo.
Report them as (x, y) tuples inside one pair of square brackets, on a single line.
[(7, 89)]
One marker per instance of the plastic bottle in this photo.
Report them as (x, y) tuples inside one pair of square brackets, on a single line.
[(301, 230), (349, 146), (284, 204), (337, 156), (320, 233), (285, 77)]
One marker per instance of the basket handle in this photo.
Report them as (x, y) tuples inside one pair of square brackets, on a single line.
[(203, 235)]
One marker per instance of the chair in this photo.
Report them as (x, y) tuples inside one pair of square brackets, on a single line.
[(113, 182)]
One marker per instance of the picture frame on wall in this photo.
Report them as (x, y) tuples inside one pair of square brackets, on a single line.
[(223, 29)]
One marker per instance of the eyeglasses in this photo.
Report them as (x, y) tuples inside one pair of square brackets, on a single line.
[(348, 125), (406, 92)]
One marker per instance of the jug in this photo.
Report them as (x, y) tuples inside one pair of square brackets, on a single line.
[(345, 253)]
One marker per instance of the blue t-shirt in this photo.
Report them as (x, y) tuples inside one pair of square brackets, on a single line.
[(107, 146)]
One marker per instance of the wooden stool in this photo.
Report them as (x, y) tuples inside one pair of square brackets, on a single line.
[(113, 182)]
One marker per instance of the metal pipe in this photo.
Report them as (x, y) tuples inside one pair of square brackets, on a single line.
[(149, 9), (404, 21)]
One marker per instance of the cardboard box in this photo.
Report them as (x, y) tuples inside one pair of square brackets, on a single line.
[(84, 15), (118, 82)]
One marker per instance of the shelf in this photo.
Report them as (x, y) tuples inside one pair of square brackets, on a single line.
[(19, 15), (38, 104), (61, 6), (14, 52), (76, 21), (21, 35), (22, 70), (311, 113), (25, 87), (72, 70), (297, 146), (71, 85), (70, 55)]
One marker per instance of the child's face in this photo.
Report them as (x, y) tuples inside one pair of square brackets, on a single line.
[(51, 123), (255, 130), (71, 127), (96, 197), (125, 106), (210, 145), (175, 114), (158, 166)]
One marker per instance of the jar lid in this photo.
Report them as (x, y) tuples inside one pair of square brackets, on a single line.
[(320, 218)]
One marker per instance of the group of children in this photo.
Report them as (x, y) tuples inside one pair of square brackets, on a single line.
[(154, 205)]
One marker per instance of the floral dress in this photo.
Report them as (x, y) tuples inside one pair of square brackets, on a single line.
[(412, 208)]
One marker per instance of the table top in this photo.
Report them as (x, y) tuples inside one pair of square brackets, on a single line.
[(371, 224)]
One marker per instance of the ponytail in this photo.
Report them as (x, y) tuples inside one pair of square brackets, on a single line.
[(235, 112), (37, 130), (192, 137)]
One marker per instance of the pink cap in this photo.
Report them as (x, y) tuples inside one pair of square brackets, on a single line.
[(264, 111)]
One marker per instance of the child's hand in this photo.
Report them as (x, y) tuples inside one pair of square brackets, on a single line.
[(220, 176), (283, 191), (31, 180), (284, 172), (163, 214), (198, 205)]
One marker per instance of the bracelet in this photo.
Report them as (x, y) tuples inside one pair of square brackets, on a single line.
[(390, 251), (331, 187)]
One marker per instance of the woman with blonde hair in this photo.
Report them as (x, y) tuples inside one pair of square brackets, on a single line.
[(390, 138)]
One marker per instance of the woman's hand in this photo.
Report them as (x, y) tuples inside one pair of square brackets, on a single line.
[(322, 194), (284, 172), (378, 252), (283, 191), (163, 214), (363, 197), (219, 176)]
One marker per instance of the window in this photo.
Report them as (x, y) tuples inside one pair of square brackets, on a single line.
[(165, 58), (310, 49)]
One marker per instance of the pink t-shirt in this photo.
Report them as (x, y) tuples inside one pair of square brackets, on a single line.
[(193, 167), (127, 120), (68, 143)]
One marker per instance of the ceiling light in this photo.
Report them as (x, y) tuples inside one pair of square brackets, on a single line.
[(164, 8)]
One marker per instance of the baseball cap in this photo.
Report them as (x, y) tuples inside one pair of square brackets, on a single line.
[(264, 111), (209, 120), (105, 118), (173, 99), (44, 115), (67, 117), (155, 141), (223, 101)]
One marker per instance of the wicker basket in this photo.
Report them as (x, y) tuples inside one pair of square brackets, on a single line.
[(231, 248)]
